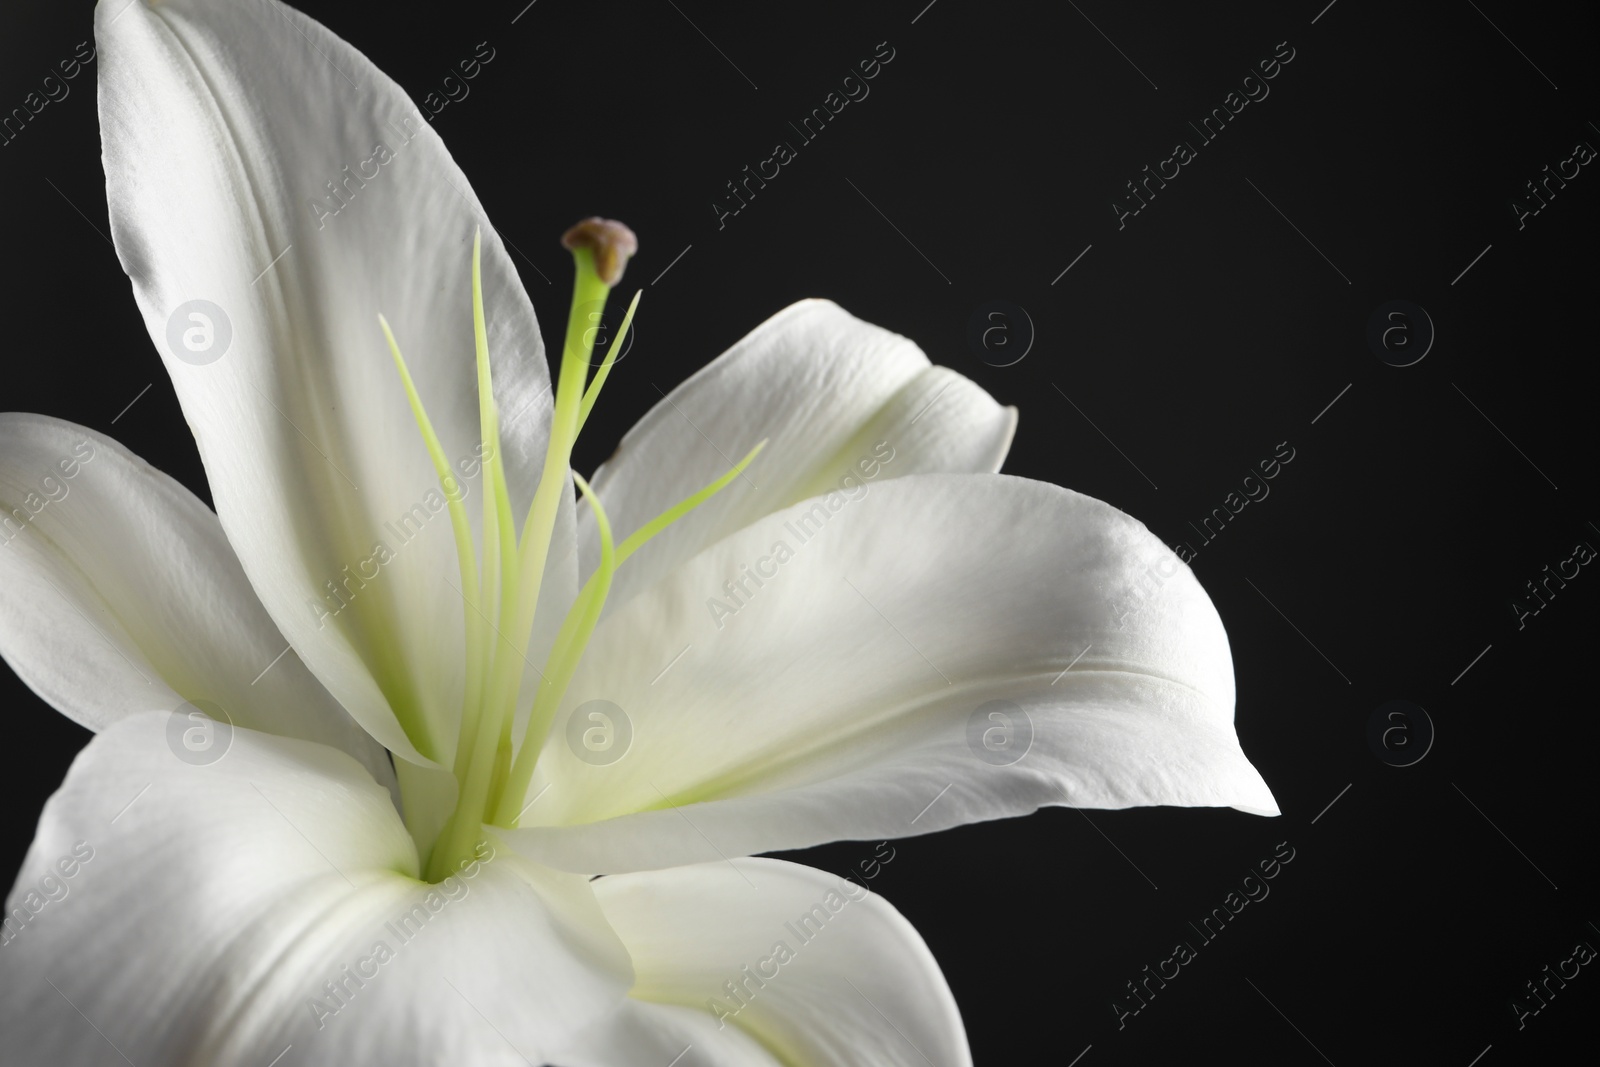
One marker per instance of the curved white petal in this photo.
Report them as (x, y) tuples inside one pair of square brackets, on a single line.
[(850, 695), (196, 915), (640, 1031), (762, 963), (258, 163), (842, 403), (119, 594)]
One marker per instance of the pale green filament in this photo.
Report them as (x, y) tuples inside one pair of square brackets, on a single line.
[(592, 394), (576, 629), (520, 592), (579, 625), (458, 515), (637, 539), (501, 586)]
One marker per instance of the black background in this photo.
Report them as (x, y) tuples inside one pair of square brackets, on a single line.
[(1196, 339)]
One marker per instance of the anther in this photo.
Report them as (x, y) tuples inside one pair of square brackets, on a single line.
[(611, 242)]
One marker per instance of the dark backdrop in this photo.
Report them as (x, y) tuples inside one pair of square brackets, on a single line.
[(1193, 339)]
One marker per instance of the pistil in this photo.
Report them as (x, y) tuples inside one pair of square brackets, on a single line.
[(500, 588)]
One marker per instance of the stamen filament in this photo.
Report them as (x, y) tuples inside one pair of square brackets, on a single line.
[(478, 651), (593, 392), (576, 629), (496, 495), (516, 611), (643, 534), (420, 732)]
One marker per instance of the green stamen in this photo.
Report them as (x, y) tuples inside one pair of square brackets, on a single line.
[(593, 392), (643, 534), (516, 610), (501, 588), (478, 650), (420, 734), (576, 629), (575, 632)]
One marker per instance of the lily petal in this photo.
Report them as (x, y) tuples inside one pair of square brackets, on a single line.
[(850, 696), (258, 163), (270, 900), (120, 594), (841, 403), (825, 973)]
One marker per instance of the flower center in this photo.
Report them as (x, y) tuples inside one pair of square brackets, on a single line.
[(502, 572)]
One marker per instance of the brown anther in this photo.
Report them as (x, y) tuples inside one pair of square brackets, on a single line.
[(611, 242)]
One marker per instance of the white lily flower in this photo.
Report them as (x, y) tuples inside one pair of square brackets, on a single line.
[(856, 630)]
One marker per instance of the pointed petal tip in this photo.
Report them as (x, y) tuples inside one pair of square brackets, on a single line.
[(1257, 798)]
